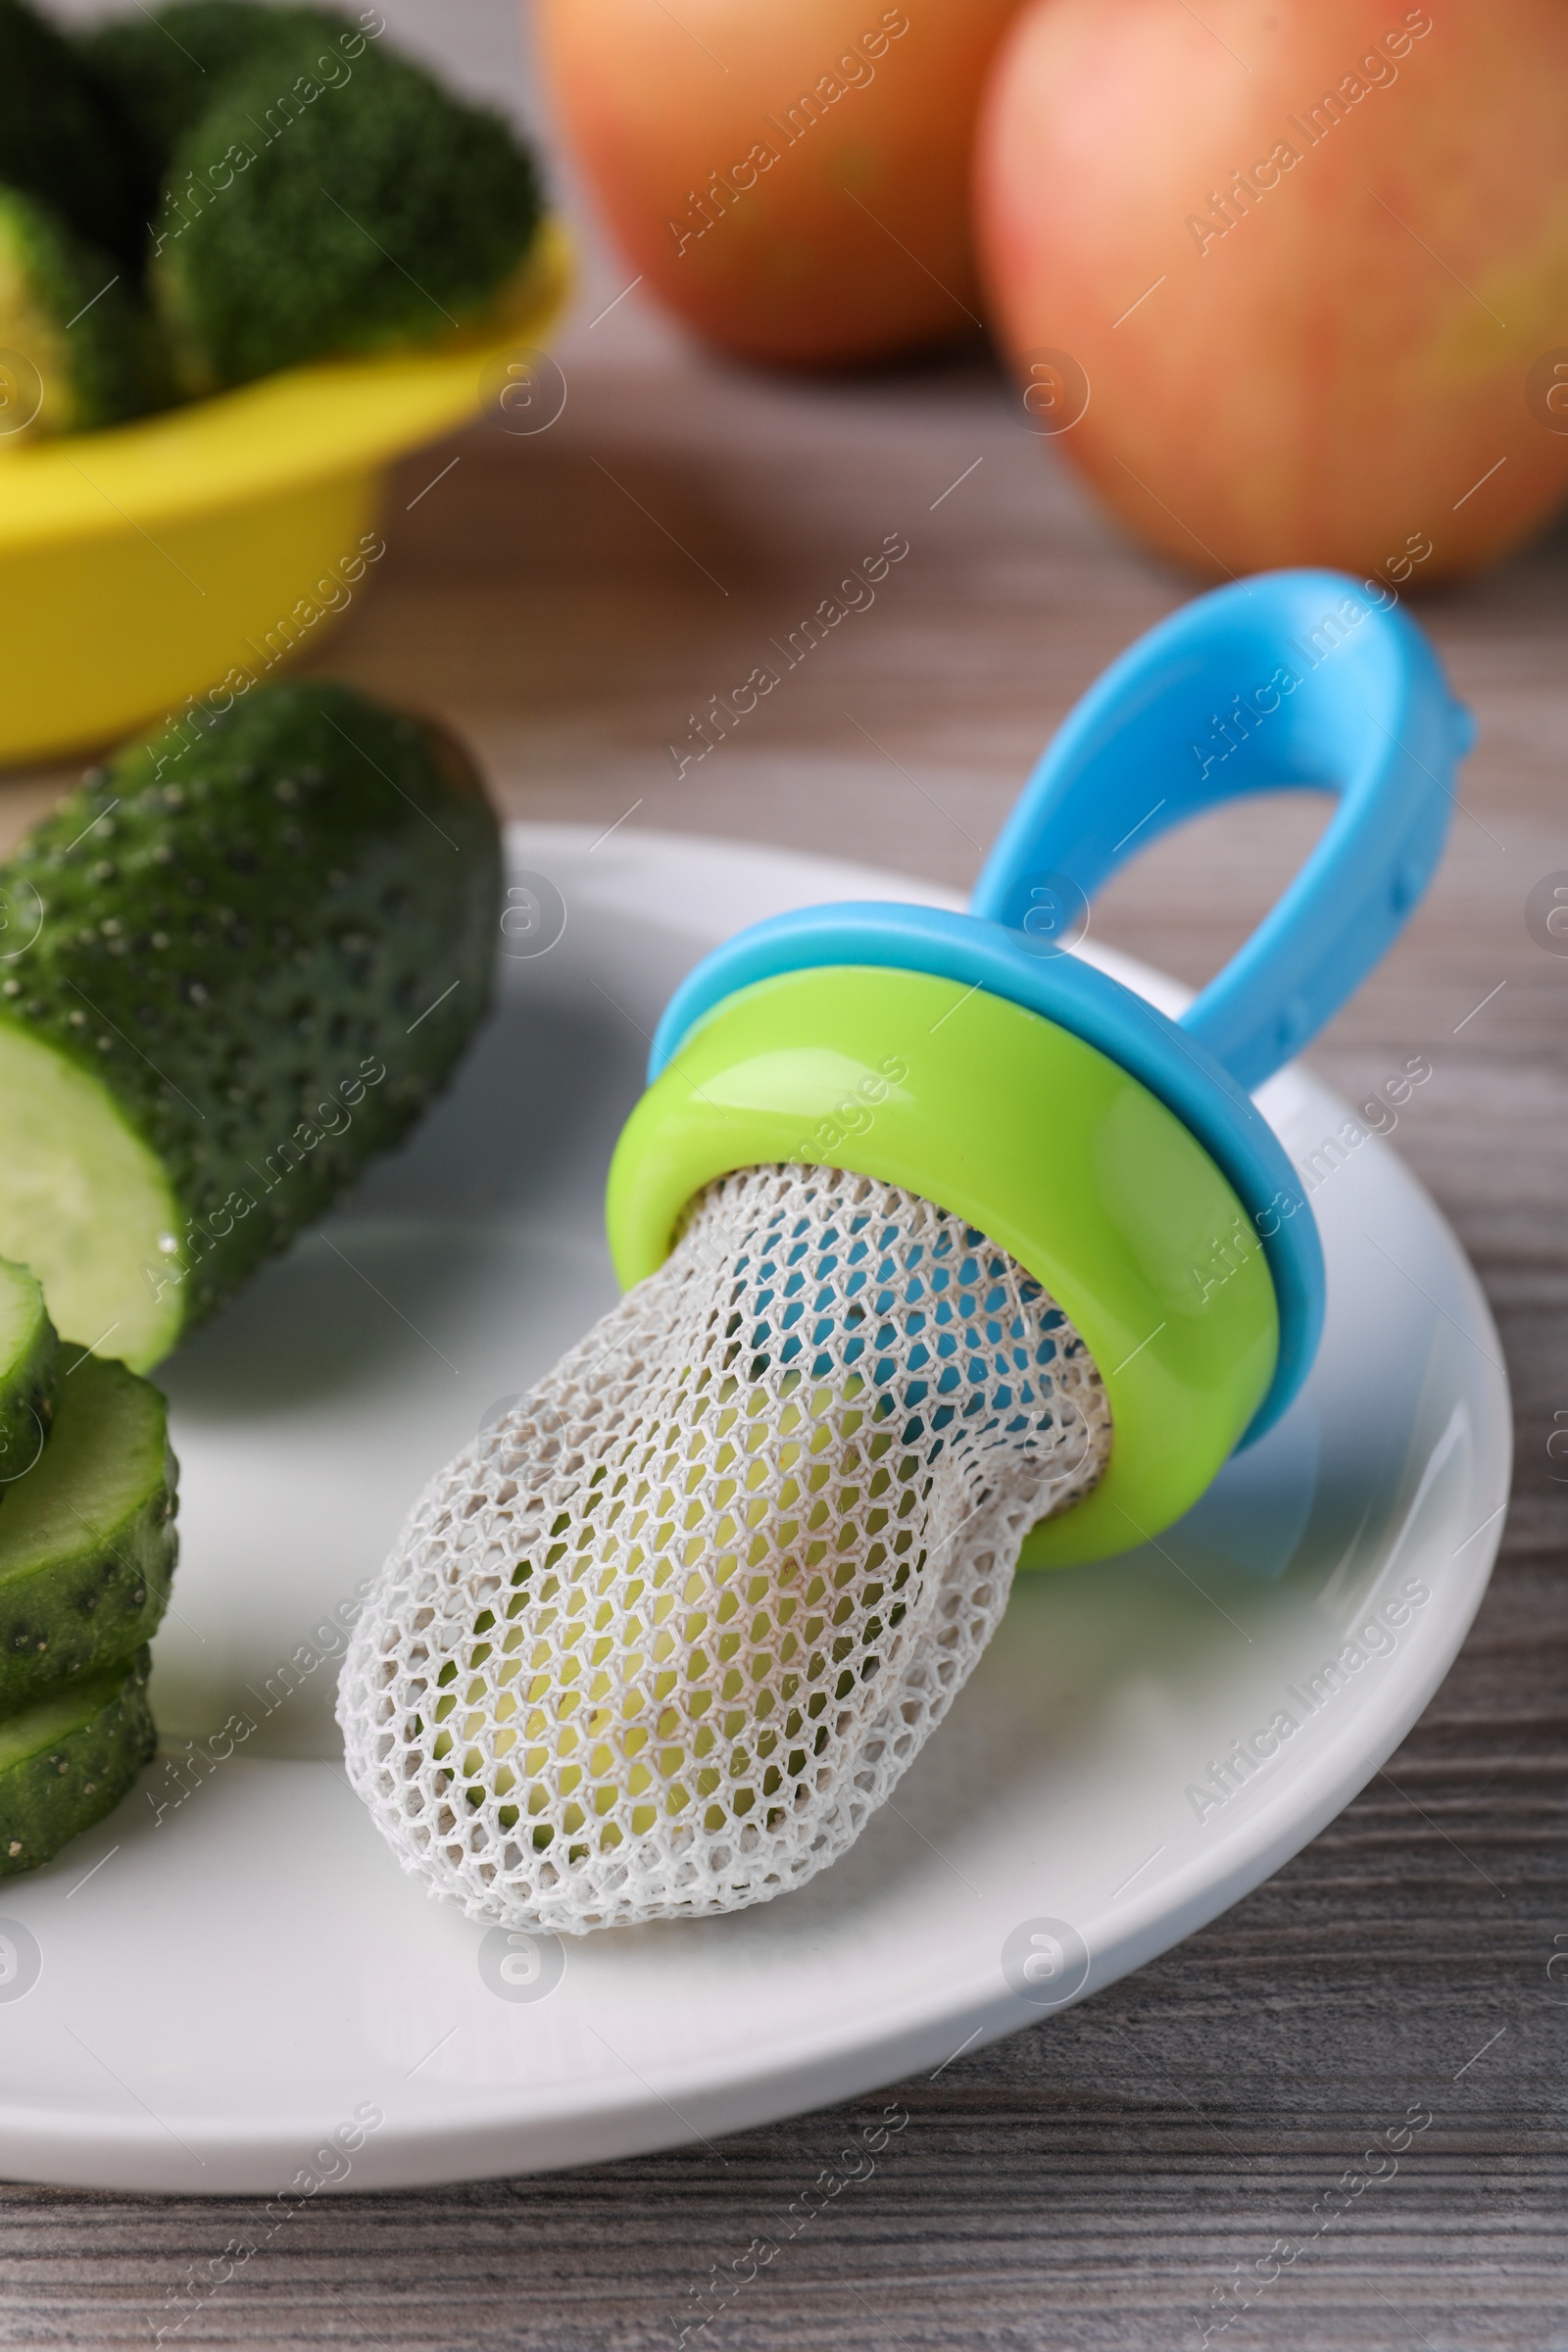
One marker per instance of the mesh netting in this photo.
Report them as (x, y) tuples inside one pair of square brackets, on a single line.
[(659, 1641)]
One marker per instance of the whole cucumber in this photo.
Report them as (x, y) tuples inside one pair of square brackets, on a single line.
[(256, 946)]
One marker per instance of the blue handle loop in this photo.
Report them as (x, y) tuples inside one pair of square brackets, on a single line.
[(1288, 679), (1293, 678)]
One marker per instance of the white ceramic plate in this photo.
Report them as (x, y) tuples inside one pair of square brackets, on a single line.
[(223, 1986)]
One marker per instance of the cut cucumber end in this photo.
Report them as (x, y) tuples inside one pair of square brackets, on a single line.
[(87, 1540), (68, 1761), (85, 1204), (29, 1373)]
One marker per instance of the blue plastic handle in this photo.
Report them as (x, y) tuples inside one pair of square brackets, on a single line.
[(1293, 678), (1290, 679)]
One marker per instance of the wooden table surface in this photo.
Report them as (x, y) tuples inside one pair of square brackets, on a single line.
[(569, 600)]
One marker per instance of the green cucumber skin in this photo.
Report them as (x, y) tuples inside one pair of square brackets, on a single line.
[(247, 919), (84, 1602), (50, 1797), (27, 1402)]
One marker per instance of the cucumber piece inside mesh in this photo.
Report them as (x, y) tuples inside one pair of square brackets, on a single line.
[(68, 1761), (85, 1204), (29, 1373), (87, 1537)]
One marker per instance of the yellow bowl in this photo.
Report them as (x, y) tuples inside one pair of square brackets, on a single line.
[(138, 567)]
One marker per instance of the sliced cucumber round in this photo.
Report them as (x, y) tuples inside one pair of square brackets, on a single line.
[(68, 1761), (87, 1540), (29, 1373), (254, 946)]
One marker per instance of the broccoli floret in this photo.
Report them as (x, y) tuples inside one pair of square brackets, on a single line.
[(79, 350), (321, 215), (163, 71), (60, 141)]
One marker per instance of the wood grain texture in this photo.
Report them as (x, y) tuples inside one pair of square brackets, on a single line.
[(567, 601)]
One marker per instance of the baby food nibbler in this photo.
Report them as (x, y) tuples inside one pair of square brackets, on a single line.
[(943, 1250)]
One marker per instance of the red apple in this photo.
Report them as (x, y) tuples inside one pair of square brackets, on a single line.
[(1291, 275), (791, 180)]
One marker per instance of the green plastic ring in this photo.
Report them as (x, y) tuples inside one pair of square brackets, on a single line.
[(1044, 1144)]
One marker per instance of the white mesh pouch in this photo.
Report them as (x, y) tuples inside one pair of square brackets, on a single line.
[(662, 1640)]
